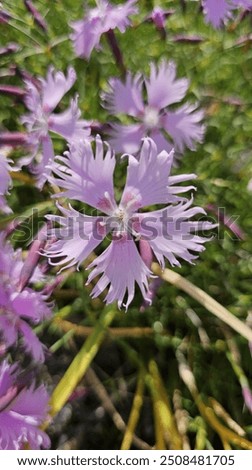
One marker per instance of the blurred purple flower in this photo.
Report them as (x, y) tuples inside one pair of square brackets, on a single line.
[(182, 125), (158, 16), (19, 308), (106, 16), (89, 179), (41, 102), (22, 410), (10, 48), (243, 3), (4, 15), (218, 11), (5, 181)]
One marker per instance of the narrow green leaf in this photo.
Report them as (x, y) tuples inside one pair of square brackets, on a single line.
[(81, 362)]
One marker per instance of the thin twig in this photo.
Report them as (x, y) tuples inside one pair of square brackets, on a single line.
[(100, 391), (79, 330), (204, 299)]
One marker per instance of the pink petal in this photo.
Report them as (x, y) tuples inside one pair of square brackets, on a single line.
[(126, 139), (125, 97), (55, 86), (68, 124), (6, 380), (163, 88), (31, 342), (8, 330), (86, 36), (78, 236), (117, 15), (171, 233), (5, 181), (148, 178), (87, 32), (25, 411), (121, 266), (216, 11), (30, 304), (184, 126), (86, 176), (33, 403), (42, 169), (161, 142)]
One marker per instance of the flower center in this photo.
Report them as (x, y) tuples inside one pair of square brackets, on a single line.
[(40, 123), (119, 220), (151, 117)]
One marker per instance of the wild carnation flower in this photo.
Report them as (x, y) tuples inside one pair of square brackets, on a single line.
[(41, 101), (5, 181), (18, 309), (87, 32), (170, 232), (153, 118), (218, 11), (22, 410)]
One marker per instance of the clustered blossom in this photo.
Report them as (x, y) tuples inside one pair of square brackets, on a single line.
[(41, 100), (179, 128), (22, 410), (218, 11), (19, 308), (5, 181), (170, 232), (105, 17)]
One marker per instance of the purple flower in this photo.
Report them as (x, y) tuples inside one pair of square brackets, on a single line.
[(19, 308), (218, 11), (170, 231), (154, 118), (22, 410), (5, 181), (41, 102), (158, 16), (4, 15), (87, 32)]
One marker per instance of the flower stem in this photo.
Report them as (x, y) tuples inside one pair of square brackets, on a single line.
[(116, 51)]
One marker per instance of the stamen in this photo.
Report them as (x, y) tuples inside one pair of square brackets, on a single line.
[(151, 117)]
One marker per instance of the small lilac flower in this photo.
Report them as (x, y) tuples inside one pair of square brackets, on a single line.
[(5, 181), (105, 17), (154, 118), (41, 102), (170, 232), (158, 16), (22, 410), (19, 308)]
